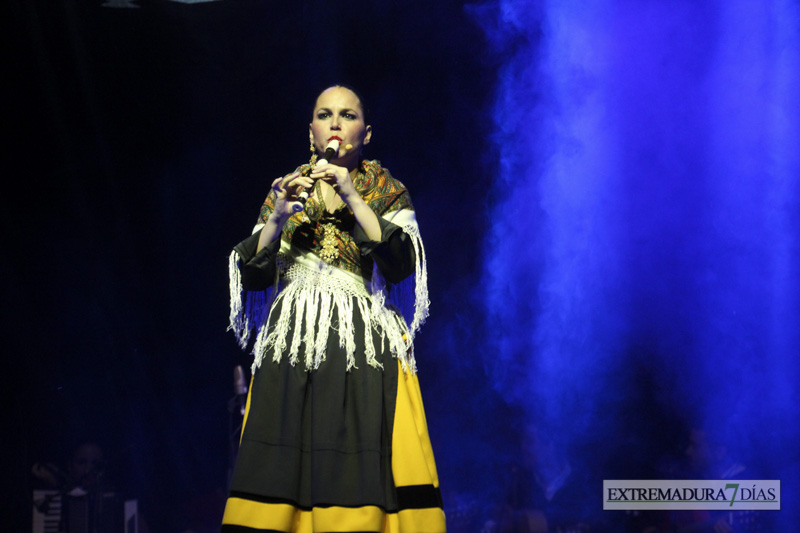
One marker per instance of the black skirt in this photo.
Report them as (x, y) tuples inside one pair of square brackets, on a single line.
[(331, 450)]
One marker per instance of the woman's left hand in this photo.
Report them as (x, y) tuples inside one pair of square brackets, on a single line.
[(338, 178)]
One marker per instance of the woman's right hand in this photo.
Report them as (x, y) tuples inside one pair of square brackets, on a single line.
[(287, 190)]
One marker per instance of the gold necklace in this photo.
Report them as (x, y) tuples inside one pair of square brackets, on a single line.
[(329, 251), (330, 244)]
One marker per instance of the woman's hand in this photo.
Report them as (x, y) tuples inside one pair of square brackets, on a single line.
[(338, 178), (287, 190)]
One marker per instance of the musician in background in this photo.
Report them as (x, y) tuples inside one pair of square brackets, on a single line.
[(544, 491), (81, 498), (85, 470), (708, 456)]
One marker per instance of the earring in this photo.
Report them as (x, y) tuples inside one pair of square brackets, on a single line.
[(313, 159)]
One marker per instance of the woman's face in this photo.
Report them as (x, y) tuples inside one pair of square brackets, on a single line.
[(338, 114)]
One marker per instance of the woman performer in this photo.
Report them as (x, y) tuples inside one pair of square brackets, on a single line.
[(331, 292)]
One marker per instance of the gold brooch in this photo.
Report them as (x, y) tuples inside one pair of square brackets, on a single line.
[(330, 244)]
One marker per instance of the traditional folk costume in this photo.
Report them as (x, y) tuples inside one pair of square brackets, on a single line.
[(335, 437)]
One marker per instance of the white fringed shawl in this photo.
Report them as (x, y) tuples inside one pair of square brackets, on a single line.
[(311, 292)]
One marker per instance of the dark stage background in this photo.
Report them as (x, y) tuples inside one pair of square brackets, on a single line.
[(141, 143), (607, 190)]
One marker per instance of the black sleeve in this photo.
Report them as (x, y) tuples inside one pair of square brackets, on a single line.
[(257, 269), (394, 253)]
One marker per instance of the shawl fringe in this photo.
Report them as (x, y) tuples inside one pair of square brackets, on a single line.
[(311, 293)]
